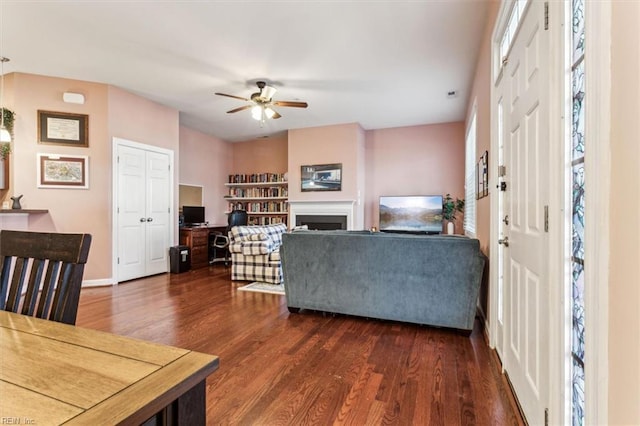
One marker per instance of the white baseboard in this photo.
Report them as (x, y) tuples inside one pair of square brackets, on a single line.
[(98, 283)]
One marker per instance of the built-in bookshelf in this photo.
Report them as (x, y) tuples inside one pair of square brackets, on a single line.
[(263, 195)]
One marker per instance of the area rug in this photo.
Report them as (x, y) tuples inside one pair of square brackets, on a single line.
[(263, 288)]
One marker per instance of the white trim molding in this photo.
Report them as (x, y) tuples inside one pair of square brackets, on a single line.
[(322, 208), (597, 194)]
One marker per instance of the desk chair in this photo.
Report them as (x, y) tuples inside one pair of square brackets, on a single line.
[(41, 273), (220, 243)]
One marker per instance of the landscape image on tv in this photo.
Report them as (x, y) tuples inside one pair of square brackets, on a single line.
[(419, 214)]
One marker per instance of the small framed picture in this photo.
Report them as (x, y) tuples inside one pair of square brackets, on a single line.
[(63, 171), (63, 128)]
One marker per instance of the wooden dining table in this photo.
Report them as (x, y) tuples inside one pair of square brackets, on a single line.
[(53, 373)]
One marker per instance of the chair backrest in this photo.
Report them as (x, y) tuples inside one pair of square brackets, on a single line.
[(41, 273), (237, 218)]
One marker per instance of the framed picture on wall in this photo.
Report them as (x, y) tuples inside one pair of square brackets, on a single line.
[(63, 128), (63, 171), (321, 177), (482, 176)]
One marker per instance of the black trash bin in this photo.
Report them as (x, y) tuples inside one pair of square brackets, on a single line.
[(180, 259)]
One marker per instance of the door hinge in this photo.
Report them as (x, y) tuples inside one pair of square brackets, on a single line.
[(546, 15), (546, 417), (502, 171), (118, 261), (546, 218)]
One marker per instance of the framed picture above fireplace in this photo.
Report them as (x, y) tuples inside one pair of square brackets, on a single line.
[(321, 177)]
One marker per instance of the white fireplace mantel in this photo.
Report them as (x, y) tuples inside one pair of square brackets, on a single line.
[(323, 208)]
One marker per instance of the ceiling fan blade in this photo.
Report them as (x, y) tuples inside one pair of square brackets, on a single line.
[(290, 104), (234, 97), (242, 108)]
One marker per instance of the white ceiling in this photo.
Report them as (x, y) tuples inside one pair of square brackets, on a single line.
[(378, 63)]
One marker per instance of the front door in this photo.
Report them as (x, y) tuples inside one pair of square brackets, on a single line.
[(525, 345)]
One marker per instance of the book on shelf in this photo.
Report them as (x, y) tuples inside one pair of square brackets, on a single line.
[(264, 192), (257, 178)]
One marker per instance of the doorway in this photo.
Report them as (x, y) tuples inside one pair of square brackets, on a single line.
[(522, 104), (143, 209)]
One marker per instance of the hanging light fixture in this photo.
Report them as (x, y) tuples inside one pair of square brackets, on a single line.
[(262, 113), (5, 136)]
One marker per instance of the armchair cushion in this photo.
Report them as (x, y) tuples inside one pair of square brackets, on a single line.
[(253, 247)]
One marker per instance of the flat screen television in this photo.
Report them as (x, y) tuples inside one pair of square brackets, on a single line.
[(419, 214), (193, 215)]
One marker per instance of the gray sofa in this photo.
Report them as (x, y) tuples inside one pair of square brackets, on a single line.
[(433, 280)]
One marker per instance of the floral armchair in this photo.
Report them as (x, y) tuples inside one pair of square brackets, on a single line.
[(255, 253)]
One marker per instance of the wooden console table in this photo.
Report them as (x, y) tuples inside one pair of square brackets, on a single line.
[(54, 373), (197, 239)]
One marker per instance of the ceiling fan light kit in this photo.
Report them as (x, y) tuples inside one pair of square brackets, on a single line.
[(262, 110)]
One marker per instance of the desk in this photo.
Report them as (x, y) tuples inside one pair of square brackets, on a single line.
[(53, 373), (197, 239)]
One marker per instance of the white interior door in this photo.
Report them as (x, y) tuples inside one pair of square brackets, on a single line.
[(143, 211), (525, 259), (132, 213), (158, 210)]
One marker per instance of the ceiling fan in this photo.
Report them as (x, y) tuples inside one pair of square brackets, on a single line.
[(262, 103)]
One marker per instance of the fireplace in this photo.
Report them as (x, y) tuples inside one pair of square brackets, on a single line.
[(334, 214), (322, 222)]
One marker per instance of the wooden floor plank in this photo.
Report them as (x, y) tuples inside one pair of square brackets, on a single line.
[(278, 368)]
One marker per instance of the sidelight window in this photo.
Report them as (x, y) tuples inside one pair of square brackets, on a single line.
[(578, 218)]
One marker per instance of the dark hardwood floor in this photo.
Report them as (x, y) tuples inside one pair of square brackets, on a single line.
[(278, 368)]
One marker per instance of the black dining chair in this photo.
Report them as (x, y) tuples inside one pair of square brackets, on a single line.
[(41, 273), (220, 243)]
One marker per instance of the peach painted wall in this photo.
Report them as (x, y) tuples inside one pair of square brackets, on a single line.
[(481, 94), (206, 161), (140, 120), (326, 145), (112, 112), (70, 210), (417, 160), (624, 278), (266, 155)]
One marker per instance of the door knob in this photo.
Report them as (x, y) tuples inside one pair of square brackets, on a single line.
[(142, 219), (504, 241), (149, 219)]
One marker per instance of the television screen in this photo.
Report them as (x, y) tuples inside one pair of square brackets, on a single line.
[(321, 177), (415, 214), (193, 215)]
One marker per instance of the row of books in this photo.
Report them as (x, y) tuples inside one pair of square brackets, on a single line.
[(274, 191), (262, 207), (257, 178), (267, 220)]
